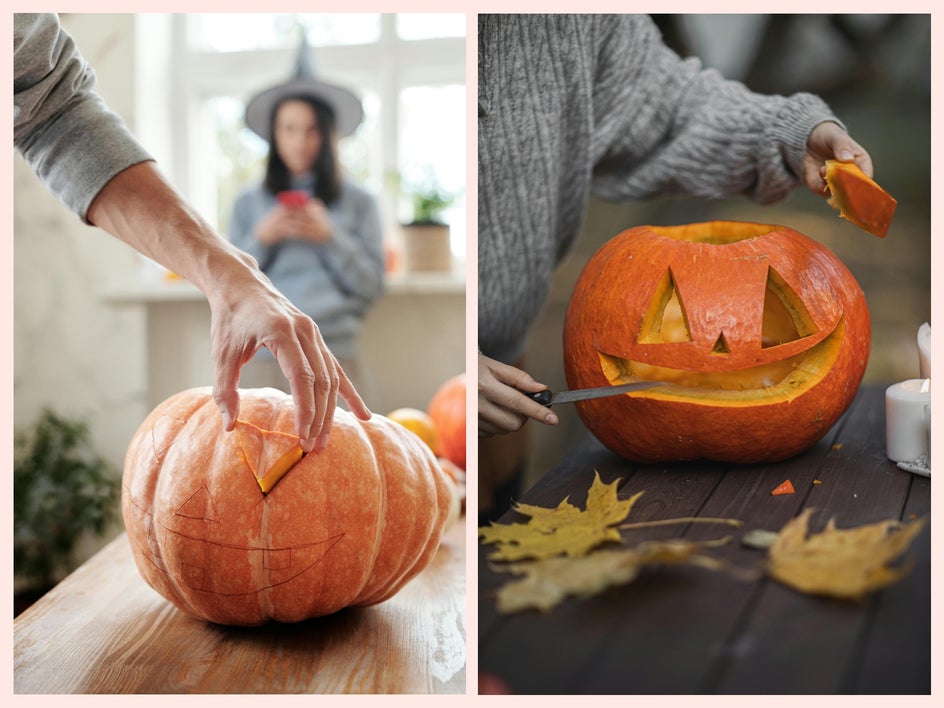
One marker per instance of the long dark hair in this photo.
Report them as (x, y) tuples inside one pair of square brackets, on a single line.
[(327, 168)]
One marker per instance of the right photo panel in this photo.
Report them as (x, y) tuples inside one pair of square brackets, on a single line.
[(704, 353)]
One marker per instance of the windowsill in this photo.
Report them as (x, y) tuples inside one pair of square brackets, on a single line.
[(164, 290)]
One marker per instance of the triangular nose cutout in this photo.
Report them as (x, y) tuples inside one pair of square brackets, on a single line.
[(665, 320), (721, 346)]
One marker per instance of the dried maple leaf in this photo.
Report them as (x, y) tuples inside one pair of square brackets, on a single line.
[(545, 583), (844, 563), (564, 530)]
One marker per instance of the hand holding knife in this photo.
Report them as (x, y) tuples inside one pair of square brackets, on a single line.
[(548, 398)]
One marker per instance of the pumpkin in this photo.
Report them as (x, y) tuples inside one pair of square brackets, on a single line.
[(346, 526), (760, 334), (859, 198), (447, 409)]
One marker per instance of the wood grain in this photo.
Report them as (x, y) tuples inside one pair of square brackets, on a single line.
[(679, 630), (103, 630)]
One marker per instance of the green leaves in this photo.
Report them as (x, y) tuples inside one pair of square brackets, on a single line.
[(61, 488)]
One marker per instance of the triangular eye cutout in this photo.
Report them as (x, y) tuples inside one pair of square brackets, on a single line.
[(665, 320), (785, 318), (268, 454), (199, 506), (721, 346)]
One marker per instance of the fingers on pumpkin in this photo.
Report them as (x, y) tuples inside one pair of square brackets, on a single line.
[(859, 198)]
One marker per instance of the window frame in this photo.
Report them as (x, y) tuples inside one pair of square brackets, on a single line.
[(176, 81)]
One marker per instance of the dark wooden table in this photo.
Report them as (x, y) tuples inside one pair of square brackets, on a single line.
[(687, 630)]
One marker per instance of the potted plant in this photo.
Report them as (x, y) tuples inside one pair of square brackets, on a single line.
[(426, 238), (62, 489)]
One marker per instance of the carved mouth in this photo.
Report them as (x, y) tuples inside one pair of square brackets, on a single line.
[(784, 378)]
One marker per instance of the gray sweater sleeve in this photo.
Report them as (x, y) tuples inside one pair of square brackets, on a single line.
[(664, 125), (61, 126)]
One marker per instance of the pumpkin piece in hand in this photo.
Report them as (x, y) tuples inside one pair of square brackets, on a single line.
[(858, 198)]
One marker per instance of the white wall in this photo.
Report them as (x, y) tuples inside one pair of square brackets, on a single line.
[(71, 351)]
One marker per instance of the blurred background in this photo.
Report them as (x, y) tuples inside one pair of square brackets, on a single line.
[(874, 72), (101, 335)]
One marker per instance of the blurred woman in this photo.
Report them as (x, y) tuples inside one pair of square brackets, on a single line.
[(315, 234)]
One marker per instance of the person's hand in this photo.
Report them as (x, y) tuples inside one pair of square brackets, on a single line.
[(828, 141), (247, 313), (274, 227), (503, 407), (141, 208), (310, 222)]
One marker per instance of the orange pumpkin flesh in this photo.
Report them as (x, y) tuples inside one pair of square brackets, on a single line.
[(858, 198), (761, 334), (346, 526)]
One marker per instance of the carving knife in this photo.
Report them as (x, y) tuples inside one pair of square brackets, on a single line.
[(549, 398)]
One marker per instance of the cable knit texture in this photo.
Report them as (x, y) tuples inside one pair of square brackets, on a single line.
[(571, 105)]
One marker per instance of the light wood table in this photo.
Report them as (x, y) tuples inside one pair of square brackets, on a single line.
[(104, 630)]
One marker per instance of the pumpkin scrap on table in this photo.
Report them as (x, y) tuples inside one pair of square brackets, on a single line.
[(347, 526), (761, 334), (858, 198), (785, 487)]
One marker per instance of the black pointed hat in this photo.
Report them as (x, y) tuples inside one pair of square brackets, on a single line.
[(348, 111)]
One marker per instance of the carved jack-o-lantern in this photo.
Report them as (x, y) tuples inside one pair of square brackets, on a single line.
[(760, 333)]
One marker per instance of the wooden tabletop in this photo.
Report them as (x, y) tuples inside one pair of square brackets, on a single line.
[(687, 630), (103, 630)]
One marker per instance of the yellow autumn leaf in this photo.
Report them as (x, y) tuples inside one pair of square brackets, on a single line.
[(546, 582), (843, 563), (563, 530)]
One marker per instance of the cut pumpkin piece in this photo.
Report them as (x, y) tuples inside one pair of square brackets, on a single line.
[(268, 454), (279, 469), (858, 198), (785, 487)]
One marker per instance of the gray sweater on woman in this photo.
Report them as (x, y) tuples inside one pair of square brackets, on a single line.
[(573, 105), (60, 125)]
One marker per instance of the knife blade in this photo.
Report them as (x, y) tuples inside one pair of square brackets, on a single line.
[(549, 398)]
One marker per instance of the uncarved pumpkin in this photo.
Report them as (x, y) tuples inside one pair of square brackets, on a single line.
[(760, 333), (447, 409), (346, 526)]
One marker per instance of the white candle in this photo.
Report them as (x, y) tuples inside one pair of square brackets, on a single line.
[(906, 432), (924, 350)]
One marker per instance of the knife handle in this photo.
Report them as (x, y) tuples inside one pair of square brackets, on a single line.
[(543, 397)]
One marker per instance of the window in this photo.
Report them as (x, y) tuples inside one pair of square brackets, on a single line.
[(408, 69)]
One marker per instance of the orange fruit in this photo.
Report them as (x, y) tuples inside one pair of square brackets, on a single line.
[(417, 422)]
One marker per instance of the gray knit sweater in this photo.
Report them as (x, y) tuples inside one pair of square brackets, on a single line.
[(573, 105), (60, 125)]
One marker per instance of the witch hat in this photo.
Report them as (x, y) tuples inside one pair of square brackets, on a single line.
[(348, 111)]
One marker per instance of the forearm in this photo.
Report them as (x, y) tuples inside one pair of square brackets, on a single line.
[(141, 208)]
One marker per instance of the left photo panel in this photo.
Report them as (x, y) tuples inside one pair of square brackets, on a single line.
[(239, 318)]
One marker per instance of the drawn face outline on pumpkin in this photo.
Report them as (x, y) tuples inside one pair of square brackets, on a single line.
[(751, 345), (196, 531)]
